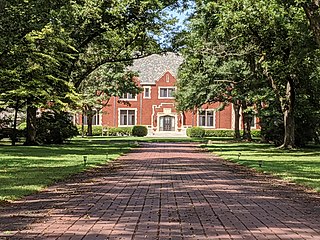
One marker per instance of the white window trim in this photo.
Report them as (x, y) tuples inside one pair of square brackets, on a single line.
[(94, 116), (254, 119), (148, 87), (100, 117), (135, 116), (175, 89), (214, 118), (128, 99)]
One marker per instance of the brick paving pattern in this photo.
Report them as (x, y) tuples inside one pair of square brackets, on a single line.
[(163, 191)]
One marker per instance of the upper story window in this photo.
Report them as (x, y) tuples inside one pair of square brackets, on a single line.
[(166, 92), (206, 118), (147, 92), (128, 96)]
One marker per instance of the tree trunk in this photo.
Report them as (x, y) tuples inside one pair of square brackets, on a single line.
[(14, 134), (246, 123), (89, 122), (312, 11), (288, 113), (82, 123), (236, 109), (31, 126)]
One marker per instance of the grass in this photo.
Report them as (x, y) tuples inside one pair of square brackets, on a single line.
[(24, 169), (301, 166)]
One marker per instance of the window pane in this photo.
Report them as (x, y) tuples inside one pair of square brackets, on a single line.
[(209, 121), (131, 96), (128, 96), (163, 92), (131, 117), (170, 92), (147, 92), (123, 117), (202, 120), (209, 113)]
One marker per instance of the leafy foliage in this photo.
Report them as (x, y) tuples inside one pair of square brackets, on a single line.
[(139, 131), (260, 55), (196, 132), (49, 48), (55, 128)]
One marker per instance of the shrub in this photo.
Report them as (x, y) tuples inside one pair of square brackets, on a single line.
[(120, 131), (228, 133), (9, 132), (96, 130), (139, 131), (196, 132), (219, 133), (55, 128), (22, 126), (256, 133)]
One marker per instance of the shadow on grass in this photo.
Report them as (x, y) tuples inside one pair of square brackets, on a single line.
[(151, 195)]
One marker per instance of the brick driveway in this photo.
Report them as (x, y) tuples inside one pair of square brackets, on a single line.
[(164, 191)]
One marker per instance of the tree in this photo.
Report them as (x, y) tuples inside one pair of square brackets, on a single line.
[(274, 41), (47, 48), (109, 80), (213, 71)]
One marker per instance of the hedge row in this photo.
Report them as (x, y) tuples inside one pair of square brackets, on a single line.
[(139, 131), (199, 132)]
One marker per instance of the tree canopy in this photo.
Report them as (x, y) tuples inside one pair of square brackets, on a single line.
[(256, 53), (49, 48)]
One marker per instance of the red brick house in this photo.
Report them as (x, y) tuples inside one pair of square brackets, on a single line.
[(155, 106)]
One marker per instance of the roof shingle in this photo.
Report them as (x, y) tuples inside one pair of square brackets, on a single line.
[(153, 67)]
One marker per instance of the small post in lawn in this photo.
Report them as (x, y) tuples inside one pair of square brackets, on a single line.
[(239, 155), (85, 158), (260, 163)]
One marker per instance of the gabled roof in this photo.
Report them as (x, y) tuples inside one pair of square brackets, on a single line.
[(153, 67)]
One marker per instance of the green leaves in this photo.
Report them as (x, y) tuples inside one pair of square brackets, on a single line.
[(253, 52)]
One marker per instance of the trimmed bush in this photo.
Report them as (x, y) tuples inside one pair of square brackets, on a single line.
[(219, 133), (96, 130), (139, 131), (120, 131), (225, 133), (196, 132)]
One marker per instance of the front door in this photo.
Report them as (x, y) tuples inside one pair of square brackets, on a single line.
[(167, 123)]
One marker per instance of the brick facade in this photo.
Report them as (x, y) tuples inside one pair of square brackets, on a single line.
[(155, 106)]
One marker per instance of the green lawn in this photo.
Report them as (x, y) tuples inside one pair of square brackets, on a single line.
[(24, 170), (301, 166)]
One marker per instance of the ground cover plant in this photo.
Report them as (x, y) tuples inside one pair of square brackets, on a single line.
[(301, 166), (27, 169)]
